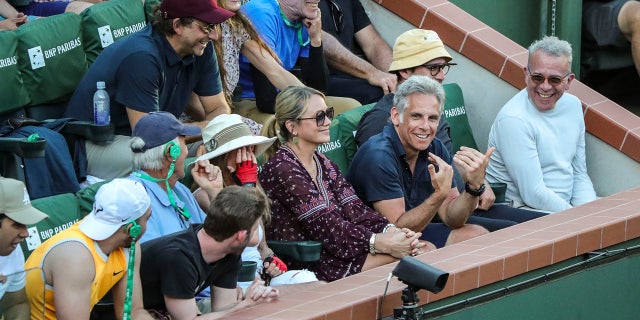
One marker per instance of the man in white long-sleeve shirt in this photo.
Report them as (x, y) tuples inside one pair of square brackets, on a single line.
[(539, 136)]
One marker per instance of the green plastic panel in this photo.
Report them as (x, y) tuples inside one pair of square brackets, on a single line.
[(51, 57), (107, 22), (12, 90)]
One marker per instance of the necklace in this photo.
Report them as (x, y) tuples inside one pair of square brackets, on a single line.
[(311, 169)]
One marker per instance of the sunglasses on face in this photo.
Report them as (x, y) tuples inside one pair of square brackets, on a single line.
[(553, 80), (434, 69), (336, 15), (321, 116), (206, 28)]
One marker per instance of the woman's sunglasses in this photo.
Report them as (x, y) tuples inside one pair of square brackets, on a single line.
[(321, 116)]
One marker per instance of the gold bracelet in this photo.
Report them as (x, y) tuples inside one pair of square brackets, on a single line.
[(372, 244)]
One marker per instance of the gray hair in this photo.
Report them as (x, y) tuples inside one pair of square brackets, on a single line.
[(418, 84), (151, 159), (552, 46)]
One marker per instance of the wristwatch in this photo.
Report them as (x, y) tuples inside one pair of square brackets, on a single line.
[(249, 184), (477, 192)]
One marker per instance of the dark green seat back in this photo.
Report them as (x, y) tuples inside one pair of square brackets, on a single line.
[(51, 57), (64, 210), (107, 22), (342, 145), (12, 90), (456, 114)]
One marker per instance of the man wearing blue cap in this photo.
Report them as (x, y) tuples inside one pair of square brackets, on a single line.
[(159, 153), (155, 69)]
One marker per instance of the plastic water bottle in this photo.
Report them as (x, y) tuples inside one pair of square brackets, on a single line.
[(101, 109)]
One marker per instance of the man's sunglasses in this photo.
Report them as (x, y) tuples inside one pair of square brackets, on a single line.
[(321, 116), (337, 15), (434, 69), (553, 80), (206, 28)]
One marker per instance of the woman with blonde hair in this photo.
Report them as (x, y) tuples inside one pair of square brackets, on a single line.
[(313, 201)]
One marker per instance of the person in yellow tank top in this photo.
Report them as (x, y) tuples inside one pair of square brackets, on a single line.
[(82, 263)]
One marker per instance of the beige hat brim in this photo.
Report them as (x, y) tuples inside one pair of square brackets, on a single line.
[(261, 145), (419, 59), (27, 216)]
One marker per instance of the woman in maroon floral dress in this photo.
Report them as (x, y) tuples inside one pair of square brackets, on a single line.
[(313, 201)]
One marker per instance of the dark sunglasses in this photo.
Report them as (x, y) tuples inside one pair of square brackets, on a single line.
[(206, 29), (321, 116), (553, 80), (434, 69), (336, 15)]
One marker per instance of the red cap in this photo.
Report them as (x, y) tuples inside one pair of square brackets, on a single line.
[(205, 10)]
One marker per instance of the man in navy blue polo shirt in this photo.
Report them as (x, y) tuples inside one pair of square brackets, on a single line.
[(413, 175), (155, 69)]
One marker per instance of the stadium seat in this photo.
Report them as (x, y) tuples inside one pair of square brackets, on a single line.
[(13, 92), (456, 114), (64, 210), (51, 57), (107, 22), (14, 97), (47, 62), (342, 145)]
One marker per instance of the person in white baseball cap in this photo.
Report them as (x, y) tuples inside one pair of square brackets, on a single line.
[(116, 204), (16, 213), (82, 263)]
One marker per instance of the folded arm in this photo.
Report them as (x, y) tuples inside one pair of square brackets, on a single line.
[(264, 62), (377, 51), (342, 59)]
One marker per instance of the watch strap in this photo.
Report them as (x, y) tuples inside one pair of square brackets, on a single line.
[(474, 192)]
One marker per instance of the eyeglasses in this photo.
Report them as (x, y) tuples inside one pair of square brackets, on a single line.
[(553, 80), (336, 14), (206, 28), (321, 116), (434, 69)]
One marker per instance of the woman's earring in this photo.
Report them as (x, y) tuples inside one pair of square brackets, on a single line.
[(295, 138)]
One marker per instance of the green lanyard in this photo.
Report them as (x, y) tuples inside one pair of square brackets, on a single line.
[(130, 266), (184, 212), (294, 25)]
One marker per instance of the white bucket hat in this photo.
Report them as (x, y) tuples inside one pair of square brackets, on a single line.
[(227, 132)]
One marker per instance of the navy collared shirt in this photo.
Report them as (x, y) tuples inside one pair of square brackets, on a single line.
[(143, 72), (380, 171)]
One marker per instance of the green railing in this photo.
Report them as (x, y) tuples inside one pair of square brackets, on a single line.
[(524, 21)]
